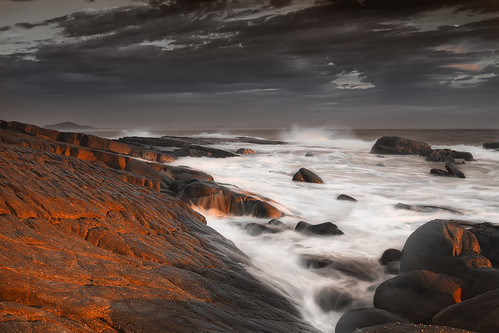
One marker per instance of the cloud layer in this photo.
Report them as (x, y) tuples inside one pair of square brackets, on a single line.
[(343, 62)]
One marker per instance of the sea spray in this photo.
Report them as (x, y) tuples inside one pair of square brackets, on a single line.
[(371, 225)]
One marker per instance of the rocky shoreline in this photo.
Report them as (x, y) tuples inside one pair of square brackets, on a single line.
[(100, 235), (92, 240)]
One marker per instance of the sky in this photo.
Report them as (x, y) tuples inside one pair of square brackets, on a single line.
[(251, 64)]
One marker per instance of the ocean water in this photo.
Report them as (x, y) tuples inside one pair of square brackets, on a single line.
[(371, 225)]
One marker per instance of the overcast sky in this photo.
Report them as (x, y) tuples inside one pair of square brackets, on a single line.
[(263, 63)]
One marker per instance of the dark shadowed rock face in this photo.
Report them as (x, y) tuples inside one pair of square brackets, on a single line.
[(390, 255), (488, 237), (480, 314), (85, 250), (305, 175), (344, 197), (400, 146), (491, 145), (418, 295), (366, 317)]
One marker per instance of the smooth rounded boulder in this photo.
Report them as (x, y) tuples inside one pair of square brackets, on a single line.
[(400, 146), (418, 295), (366, 317), (323, 229), (307, 176), (480, 314)]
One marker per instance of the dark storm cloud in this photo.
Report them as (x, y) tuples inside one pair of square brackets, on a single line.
[(199, 53)]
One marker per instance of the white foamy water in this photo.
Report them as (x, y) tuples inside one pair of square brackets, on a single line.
[(371, 225)]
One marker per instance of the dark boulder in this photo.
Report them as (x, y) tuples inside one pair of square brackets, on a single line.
[(491, 145), (453, 170), (440, 155), (366, 317), (201, 151), (462, 155), (276, 222), (400, 146), (323, 229), (245, 151), (418, 295), (440, 246), (305, 175), (487, 235), (480, 314), (390, 255), (345, 197), (380, 164), (309, 154), (438, 172)]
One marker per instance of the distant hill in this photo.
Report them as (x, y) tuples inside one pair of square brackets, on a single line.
[(67, 125)]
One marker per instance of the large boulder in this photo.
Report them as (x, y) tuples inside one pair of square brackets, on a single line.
[(400, 146), (440, 246), (305, 175), (418, 295), (487, 235), (366, 317), (480, 314)]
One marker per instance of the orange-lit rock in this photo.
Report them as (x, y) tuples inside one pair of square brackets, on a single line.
[(84, 250)]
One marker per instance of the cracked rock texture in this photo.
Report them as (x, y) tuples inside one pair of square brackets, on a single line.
[(84, 249)]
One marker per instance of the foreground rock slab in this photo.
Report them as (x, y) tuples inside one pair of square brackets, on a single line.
[(84, 250)]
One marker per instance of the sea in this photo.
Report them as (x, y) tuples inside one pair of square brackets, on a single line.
[(371, 225)]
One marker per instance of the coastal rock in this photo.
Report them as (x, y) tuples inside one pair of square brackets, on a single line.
[(257, 229), (331, 299), (453, 170), (366, 317), (491, 145), (245, 151), (380, 164), (400, 146), (210, 195), (418, 295), (439, 246), (410, 328), (448, 155), (359, 268), (83, 250), (322, 229), (305, 175), (390, 255), (480, 314), (345, 197), (426, 208), (200, 151), (487, 235)]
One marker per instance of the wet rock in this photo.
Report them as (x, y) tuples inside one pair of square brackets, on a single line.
[(344, 197), (200, 151), (390, 255), (276, 222), (359, 268), (410, 328), (210, 195), (491, 145), (440, 155), (83, 250), (438, 172), (309, 154), (392, 267), (305, 175), (439, 246), (453, 170), (418, 295), (331, 299), (366, 317), (380, 165), (323, 229), (400, 146), (480, 314), (257, 229), (426, 208), (487, 235), (245, 151)]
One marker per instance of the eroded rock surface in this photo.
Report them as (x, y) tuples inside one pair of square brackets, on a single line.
[(86, 246)]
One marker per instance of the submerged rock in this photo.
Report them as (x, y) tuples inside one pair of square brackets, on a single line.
[(359, 268), (305, 175), (323, 229), (331, 299), (245, 151), (426, 208), (344, 197), (366, 317), (491, 145)]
